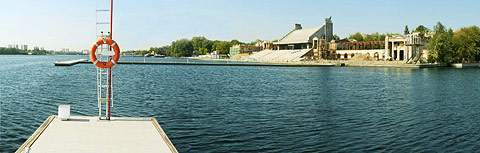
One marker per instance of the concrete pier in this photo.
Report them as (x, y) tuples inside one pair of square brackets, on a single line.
[(380, 64), (69, 63), (211, 64), (465, 65), (88, 134)]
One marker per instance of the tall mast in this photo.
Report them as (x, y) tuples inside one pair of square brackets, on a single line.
[(104, 28), (110, 69)]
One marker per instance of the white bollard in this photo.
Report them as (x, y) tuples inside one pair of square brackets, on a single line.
[(64, 112)]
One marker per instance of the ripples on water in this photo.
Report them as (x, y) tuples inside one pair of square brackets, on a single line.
[(256, 109)]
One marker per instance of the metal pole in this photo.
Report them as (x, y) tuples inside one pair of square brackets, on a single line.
[(110, 69)]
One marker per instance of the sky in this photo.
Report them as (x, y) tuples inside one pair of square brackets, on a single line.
[(141, 24)]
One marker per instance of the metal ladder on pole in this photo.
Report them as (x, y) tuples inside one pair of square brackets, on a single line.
[(104, 75)]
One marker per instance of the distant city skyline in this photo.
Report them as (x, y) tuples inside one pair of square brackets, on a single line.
[(29, 47), (142, 24)]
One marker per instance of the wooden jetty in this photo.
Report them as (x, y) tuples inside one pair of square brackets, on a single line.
[(69, 63), (88, 134)]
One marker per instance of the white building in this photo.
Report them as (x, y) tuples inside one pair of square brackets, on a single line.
[(300, 38), (404, 47), (296, 44), (24, 47), (13, 46)]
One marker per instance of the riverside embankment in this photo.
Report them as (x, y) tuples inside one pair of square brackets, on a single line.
[(385, 64)]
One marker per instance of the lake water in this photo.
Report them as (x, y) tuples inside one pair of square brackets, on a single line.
[(256, 109)]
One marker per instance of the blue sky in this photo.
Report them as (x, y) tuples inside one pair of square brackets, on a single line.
[(140, 24)]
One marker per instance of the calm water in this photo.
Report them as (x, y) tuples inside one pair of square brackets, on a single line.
[(257, 109)]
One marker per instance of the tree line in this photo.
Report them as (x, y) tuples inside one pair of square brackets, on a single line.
[(460, 46), (422, 29), (445, 45), (370, 37), (196, 46), (381, 37), (20, 51)]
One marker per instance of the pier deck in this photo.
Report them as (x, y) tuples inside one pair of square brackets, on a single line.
[(69, 63), (209, 64), (365, 64), (88, 134)]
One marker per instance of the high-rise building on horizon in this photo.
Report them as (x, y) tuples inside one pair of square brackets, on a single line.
[(24, 47)]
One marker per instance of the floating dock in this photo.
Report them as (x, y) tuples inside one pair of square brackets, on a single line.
[(88, 134), (204, 64), (69, 63)]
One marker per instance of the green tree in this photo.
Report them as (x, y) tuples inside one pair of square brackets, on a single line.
[(422, 29), (200, 44), (357, 36), (152, 49), (467, 42), (439, 28), (441, 46), (181, 48), (14, 51), (236, 42), (378, 37), (254, 42), (223, 46), (336, 37), (370, 37)]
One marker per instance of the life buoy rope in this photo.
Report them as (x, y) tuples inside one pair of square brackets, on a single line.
[(110, 63)]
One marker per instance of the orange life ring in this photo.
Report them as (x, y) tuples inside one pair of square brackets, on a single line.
[(115, 48)]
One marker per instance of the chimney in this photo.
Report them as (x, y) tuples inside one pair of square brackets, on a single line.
[(298, 26)]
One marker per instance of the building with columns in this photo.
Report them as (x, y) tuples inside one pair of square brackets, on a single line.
[(407, 48)]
